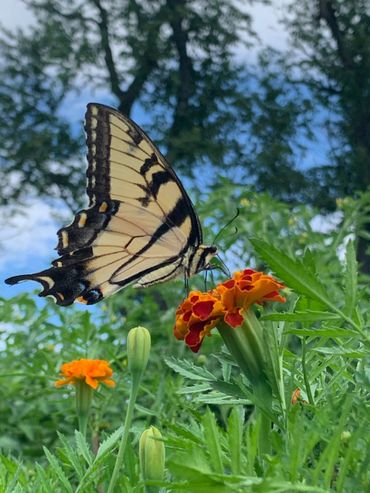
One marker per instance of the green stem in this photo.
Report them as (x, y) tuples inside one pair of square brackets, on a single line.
[(305, 374), (126, 429), (264, 439)]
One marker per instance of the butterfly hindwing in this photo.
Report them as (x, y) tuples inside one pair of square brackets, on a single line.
[(140, 226)]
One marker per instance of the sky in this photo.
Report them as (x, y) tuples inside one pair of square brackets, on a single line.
[(27, 241)]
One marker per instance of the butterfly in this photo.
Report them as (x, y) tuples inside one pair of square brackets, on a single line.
[(140, 226)]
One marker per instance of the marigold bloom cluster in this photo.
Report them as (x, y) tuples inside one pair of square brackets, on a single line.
[(91, 371), (200, 312)]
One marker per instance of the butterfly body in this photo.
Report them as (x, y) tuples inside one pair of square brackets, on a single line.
[(140, 227)]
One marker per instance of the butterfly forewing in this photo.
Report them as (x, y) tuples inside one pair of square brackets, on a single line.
[(140, 226)]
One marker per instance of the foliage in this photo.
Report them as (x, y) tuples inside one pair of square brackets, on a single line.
[(205, 409), (190, 67), (173, 58)]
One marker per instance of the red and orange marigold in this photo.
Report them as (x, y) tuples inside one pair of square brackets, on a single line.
[(200, 312), (91, 371)]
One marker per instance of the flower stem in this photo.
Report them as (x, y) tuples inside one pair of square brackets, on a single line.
[(126, 429), (84, 394)]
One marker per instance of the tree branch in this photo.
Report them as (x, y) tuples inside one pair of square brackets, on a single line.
[(186, 84), (327, 13), (108, 55)]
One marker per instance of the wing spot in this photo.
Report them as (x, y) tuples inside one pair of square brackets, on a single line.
[(65, 241), (60, 295), (82, 220), (103, 207), (81, 299), (48, 280)]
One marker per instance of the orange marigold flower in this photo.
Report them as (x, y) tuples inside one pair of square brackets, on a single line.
[(91, 371), (196, 317), (200, 312)]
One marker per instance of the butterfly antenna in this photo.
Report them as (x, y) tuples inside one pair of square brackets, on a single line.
[(226, 226), (186, 284), (225, 268), (205, 279)]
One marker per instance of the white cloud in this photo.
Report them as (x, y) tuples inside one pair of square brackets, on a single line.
[(28, 237), (326, 223)]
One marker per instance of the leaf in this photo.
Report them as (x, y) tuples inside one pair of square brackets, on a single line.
[(329, 332), (218, 399), (235, 434), (348, 353), (212, 438), (188, 370), (306, 316), (83, 447), (193, 389), (43, 479), (350, 279), (72, 456), (293, 273), (109, 443), (53, 461)]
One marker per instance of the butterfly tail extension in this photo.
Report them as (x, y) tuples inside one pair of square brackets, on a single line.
[(64, 284)]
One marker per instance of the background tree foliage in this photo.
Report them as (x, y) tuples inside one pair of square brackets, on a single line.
[(208, 109)]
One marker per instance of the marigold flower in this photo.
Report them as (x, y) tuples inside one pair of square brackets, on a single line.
[(90, 371), (200, 312)]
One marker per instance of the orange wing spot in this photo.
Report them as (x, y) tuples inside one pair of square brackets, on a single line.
[(103, 207), (81, 299)]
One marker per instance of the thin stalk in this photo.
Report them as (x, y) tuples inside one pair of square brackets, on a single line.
[(126, 430), (305, 375)]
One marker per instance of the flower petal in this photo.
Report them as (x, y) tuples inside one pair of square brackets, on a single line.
[(234, 318)]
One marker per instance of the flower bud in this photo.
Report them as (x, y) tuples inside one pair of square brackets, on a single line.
[(138, 349), (152, 454)]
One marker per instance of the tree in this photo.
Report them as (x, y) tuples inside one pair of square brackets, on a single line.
[(172, 57), (331, 59)]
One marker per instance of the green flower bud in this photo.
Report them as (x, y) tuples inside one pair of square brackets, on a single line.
[(138, 349), (345, 436), (152, 455)]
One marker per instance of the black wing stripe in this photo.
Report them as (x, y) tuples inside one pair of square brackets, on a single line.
[(176, 217)]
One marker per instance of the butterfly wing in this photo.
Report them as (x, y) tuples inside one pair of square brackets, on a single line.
[(140, 226)]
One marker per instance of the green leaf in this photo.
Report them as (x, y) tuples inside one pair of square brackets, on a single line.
[(293, 272), (329, 332), (306, 316), (235, 434), (71, 455), (212, 438), (109, 443), (188, 370), (347, 353), (53, 461), (350, 279), (42, 478), (296, 276), (83, 447)]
